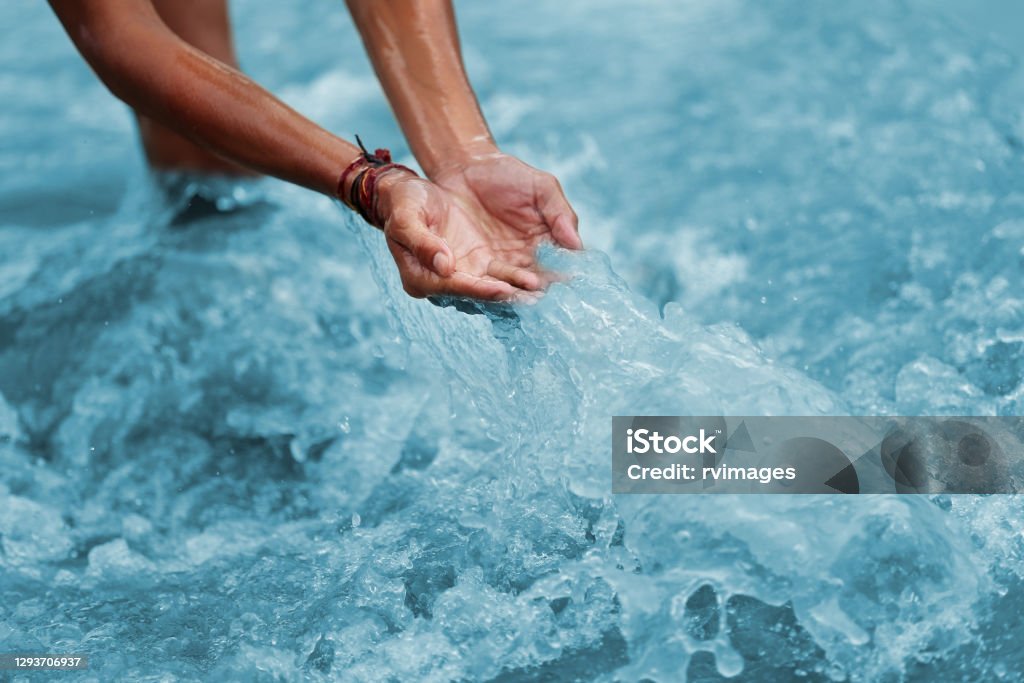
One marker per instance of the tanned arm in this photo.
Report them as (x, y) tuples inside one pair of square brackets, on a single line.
[(162, 77)]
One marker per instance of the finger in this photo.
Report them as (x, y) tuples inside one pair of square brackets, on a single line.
[(558, 214), (409, 230), (523, 278), (520, 259), (566, 232), (418, 281), (476, 287), (485, 288), (414, 275), (551, 276)]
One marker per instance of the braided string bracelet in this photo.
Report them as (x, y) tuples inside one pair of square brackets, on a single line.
[(367, 168)]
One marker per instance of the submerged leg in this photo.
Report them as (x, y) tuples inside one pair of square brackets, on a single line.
[(205, 25)]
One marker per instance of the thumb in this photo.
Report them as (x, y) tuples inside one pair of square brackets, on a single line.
[(559, 216), (409, 230)]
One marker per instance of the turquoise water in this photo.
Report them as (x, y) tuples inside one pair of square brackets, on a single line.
[(232, 449)]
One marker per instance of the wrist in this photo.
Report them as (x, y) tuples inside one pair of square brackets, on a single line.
[(457, 157), (388, 180), (366, 179)]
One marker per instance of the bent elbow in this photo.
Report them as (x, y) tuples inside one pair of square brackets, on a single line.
[(124, 58)]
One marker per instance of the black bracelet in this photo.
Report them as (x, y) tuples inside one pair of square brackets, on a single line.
[(353, 195)]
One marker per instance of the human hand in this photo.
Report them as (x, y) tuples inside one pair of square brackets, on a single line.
[(514, 198), (446, 244)]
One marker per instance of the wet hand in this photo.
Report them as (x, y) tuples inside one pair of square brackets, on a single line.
[(477, 241), (514, 198), (441, 250)]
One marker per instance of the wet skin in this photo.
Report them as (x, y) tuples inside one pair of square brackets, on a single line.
[(469, 229)]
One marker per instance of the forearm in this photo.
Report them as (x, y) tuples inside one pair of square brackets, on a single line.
[(414, 48), (146, 65)]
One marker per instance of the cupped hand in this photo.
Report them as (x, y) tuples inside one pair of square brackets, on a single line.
[(476, 235), (502, 190)]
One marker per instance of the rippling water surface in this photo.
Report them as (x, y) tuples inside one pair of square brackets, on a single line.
[(232, 449)]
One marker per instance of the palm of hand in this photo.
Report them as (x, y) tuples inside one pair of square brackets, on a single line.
[(494, 230), (491, 217)]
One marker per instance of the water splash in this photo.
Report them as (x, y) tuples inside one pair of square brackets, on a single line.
[(221, 461)]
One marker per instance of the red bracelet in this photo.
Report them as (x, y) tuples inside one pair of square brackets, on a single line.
[(361, 196)]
